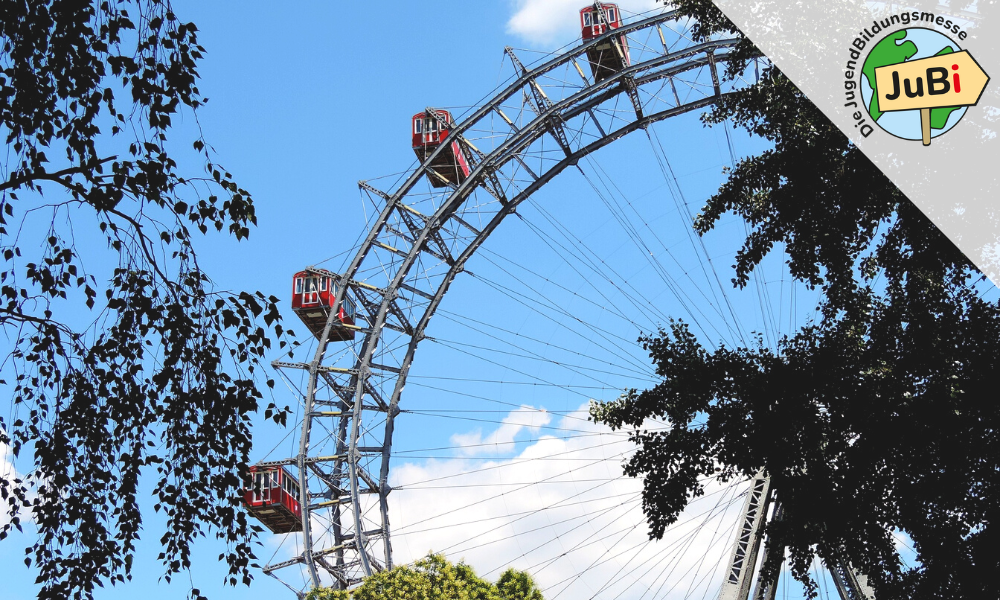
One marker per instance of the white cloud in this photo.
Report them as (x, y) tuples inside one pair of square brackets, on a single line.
[(559, 507), (562, 509), (524, 419), (8, 473), (548, 22)]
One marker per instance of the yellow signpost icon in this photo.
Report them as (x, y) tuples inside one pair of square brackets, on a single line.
[(953, 79)]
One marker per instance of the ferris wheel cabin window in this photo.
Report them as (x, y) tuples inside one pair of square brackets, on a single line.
[(611, 15), (322, 284), (298, 285), (587, 21), (289, 486), (418, 125)]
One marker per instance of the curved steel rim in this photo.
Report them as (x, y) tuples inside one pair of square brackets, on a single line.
[(698, 55)]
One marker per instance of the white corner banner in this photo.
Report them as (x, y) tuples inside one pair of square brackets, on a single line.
[(910, 85)]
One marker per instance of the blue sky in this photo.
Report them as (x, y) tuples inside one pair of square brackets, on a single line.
[(308, 98)]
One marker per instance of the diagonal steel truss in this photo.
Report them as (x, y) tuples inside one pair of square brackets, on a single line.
[(743, 567)]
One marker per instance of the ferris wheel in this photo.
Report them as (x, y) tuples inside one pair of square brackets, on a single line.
[(332, 495)]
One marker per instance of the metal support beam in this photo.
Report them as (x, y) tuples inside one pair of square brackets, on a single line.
[(859, 582), (291, 461), (443, 253), (744, 555), (416, 291), (334, 571), (715, 73), (473, 155), (364, 286), (633, 95), (373, 309), (516, 129), (385, 368), (663, 40), (464, 224), (766, 588), (590, 111), (851, 585), (673, 88), (554, 124), (389, 200), (438, 176), (400, 317), (443, 257), (364, 185), (305, 366), (627, 82)]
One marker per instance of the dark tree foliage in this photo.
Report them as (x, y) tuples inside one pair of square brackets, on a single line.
[(137, 365), (880, 416)]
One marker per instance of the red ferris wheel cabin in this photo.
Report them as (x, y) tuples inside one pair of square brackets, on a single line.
[(450, 165), (610, 56), (314, 292), (273, 498)]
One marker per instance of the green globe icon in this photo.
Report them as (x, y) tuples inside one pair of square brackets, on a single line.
[(900, 46)]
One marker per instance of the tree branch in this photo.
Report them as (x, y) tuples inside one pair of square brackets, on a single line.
[(19, 180), (142, 238), (20, 316)]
